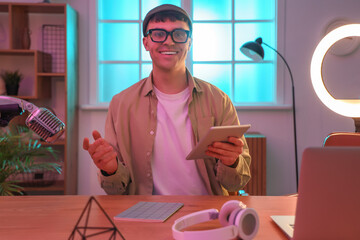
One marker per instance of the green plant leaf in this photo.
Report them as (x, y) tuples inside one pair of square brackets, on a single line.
[(9, 188), (11, 77), (18, 156)]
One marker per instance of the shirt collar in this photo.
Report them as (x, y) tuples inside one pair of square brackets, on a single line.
[(192, 84)]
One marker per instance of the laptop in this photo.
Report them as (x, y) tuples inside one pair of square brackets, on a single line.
[(328, 205)]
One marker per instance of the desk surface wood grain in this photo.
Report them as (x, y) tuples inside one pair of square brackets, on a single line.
[(54, 217)]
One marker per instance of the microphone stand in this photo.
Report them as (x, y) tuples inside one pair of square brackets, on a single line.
[(293, 111)]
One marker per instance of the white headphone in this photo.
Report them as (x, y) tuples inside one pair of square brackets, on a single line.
[(237, 221)]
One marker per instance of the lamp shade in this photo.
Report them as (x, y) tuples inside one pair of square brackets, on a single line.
[(253, 50)]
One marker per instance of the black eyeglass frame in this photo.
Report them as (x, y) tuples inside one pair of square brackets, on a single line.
[(188, 34)]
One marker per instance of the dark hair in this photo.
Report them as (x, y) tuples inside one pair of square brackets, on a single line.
[(169, 15)]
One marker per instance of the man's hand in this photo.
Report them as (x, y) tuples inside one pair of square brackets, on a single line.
[(102, 153), (227, 152)]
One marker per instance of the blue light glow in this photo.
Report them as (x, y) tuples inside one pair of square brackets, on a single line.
[(216, 74), (212, 10), (218, 33), (145, 70), (115, 78), (212, 42), (254, 82), (254, 9), (118, 10), (116, 41)]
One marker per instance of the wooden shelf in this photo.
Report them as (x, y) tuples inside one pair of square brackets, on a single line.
[(52, 8), (35, 87), (54, 90), (57, 143), (51, 74), (18, 52), (58, 187)]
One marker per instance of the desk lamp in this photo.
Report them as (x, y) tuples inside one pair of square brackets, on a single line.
[(255, 51), (344, 107)]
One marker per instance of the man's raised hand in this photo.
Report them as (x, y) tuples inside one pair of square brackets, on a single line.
[(102, 153)]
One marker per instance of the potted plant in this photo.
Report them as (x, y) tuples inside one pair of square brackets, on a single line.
[(12, 80), (19, 155)]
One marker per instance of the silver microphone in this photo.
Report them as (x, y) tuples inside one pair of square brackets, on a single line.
[(45, 124), (41, 120)]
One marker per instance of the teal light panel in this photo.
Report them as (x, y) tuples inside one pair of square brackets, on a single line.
[(216, 74), (118, 10), (145, 70), (254, 9), (254, 82), (119, 41), (147, 5), (212, 10), (123, 60), (115, 78), (212, 42), (245, 32)]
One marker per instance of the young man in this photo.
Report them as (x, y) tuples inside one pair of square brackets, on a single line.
[(154, 124)]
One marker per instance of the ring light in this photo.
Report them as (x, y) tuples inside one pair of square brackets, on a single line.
[(345, 107)]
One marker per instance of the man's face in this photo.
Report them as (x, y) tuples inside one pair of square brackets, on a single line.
[(168, 55)]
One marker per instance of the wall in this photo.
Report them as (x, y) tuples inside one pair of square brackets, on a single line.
[(305, 22)]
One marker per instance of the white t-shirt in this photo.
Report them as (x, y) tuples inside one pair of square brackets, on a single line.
[(172, 173)]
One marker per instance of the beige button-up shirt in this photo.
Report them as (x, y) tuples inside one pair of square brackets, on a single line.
[(131, 127)]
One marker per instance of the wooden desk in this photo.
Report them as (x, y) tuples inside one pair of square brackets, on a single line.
[(54, 217)]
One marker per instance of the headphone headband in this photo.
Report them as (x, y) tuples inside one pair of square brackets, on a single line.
[(237, 221), (229, 232)]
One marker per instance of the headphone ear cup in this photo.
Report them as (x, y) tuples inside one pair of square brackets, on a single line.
[(233, 216), (226, 210), (247, 222)]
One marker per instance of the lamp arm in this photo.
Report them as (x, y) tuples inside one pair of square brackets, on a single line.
[(287, 65), (293, 111)]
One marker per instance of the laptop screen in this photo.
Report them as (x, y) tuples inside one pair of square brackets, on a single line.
[(328, 204)]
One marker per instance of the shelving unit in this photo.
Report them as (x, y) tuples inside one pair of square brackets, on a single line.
[(43, 87)]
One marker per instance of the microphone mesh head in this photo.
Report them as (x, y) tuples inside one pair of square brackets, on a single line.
[(45, 124)]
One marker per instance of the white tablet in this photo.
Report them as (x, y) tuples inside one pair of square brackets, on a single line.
[(216, 134)]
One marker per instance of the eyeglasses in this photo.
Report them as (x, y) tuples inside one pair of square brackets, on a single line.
[(160, 35)]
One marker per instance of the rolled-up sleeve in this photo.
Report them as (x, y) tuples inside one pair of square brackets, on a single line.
[(234, 179), (118, 182)]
